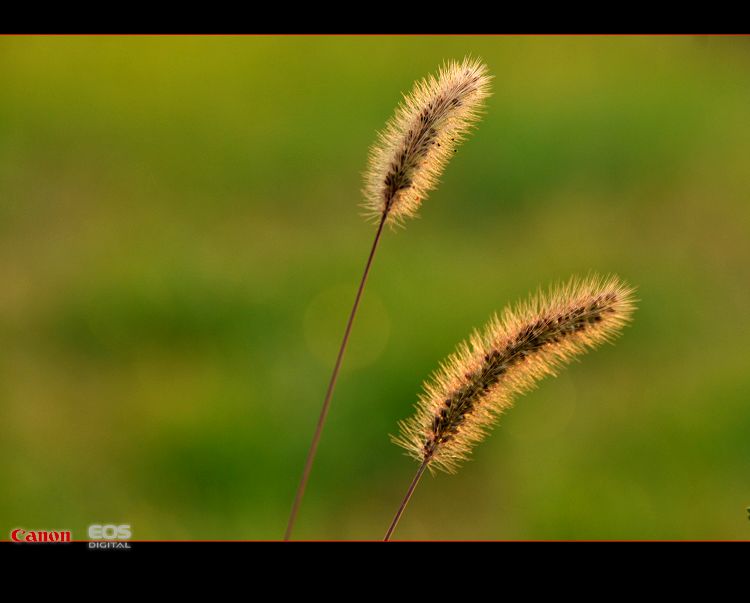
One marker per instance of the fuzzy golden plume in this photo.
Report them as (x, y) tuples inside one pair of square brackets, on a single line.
[(479, 381), (411, 152)]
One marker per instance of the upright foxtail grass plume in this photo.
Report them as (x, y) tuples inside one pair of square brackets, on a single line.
[(405, 164), (416, 144), (479, 381)]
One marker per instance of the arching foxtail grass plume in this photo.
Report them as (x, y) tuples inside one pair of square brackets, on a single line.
[(404, 166), (464, 398)]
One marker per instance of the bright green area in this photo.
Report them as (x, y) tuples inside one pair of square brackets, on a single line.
[(180, 240)]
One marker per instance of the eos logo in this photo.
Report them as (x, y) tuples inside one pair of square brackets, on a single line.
[(110, 532), (108, 535)]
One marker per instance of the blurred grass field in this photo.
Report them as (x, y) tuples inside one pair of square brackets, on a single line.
[(180, 241)]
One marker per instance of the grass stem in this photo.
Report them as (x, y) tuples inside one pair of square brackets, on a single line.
[(331, 385), (405, 502)]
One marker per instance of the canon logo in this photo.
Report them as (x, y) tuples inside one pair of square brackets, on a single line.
[(21, 535)]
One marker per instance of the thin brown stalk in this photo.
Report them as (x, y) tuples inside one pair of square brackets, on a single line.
[(331, 386), (406, 500)]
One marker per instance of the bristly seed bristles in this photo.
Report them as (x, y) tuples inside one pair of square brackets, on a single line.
[(410, 153), (478, 382)]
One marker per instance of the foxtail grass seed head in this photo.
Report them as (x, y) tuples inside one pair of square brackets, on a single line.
[(417, 142), (464, 398)]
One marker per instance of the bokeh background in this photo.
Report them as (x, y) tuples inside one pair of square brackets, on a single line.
[(180, 241)]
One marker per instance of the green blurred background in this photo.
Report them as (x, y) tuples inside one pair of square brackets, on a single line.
[(180, 241)]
